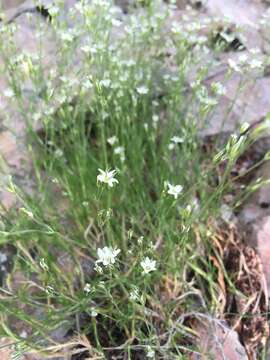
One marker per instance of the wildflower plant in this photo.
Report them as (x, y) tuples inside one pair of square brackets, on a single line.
[(100, 236)]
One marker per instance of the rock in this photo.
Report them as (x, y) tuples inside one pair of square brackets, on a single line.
[(262, 230), (241, 12), (236, 107), (9, 150), (182, 4), (262, 196), (251, 103), (258, 205), (217, 341), (17, 7), (5, 352), (29, 26), (244, 13), (255, 221), (125, 5), (7, 4)]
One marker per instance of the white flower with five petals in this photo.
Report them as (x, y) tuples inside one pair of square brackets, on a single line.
[(148, 265), (142, 90), (177, 140), (174, 190), (107, 177), (107, 255), (112, 140)]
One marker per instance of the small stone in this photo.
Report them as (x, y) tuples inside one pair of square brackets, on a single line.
[(219, 342), (263, 247), (5, 352)]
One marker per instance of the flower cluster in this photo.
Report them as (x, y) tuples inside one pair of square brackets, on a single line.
[(247, 61)]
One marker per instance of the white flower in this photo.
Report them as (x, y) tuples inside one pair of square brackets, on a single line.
[(148, 265), (177, 140), (87, 84), (9, 93), (86, 49), (155, 118), (58, 153), (255, 51), (53, 10), (37, 116), (150, 353), (195, 204), (234, 66), (171, 146), (218, 88), (107, 177), (26, 66), (142, 90), (120, 150), (107, 255), (24, 334), (89, 49), (87, 288), (243, 58), (174, 190), (166, 76), (94, 312), (112, 140), (176, 28), (105, 82), (140, 240), (3, 258), (116, 22), (68, 37), (255, 64), (129, 63)]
